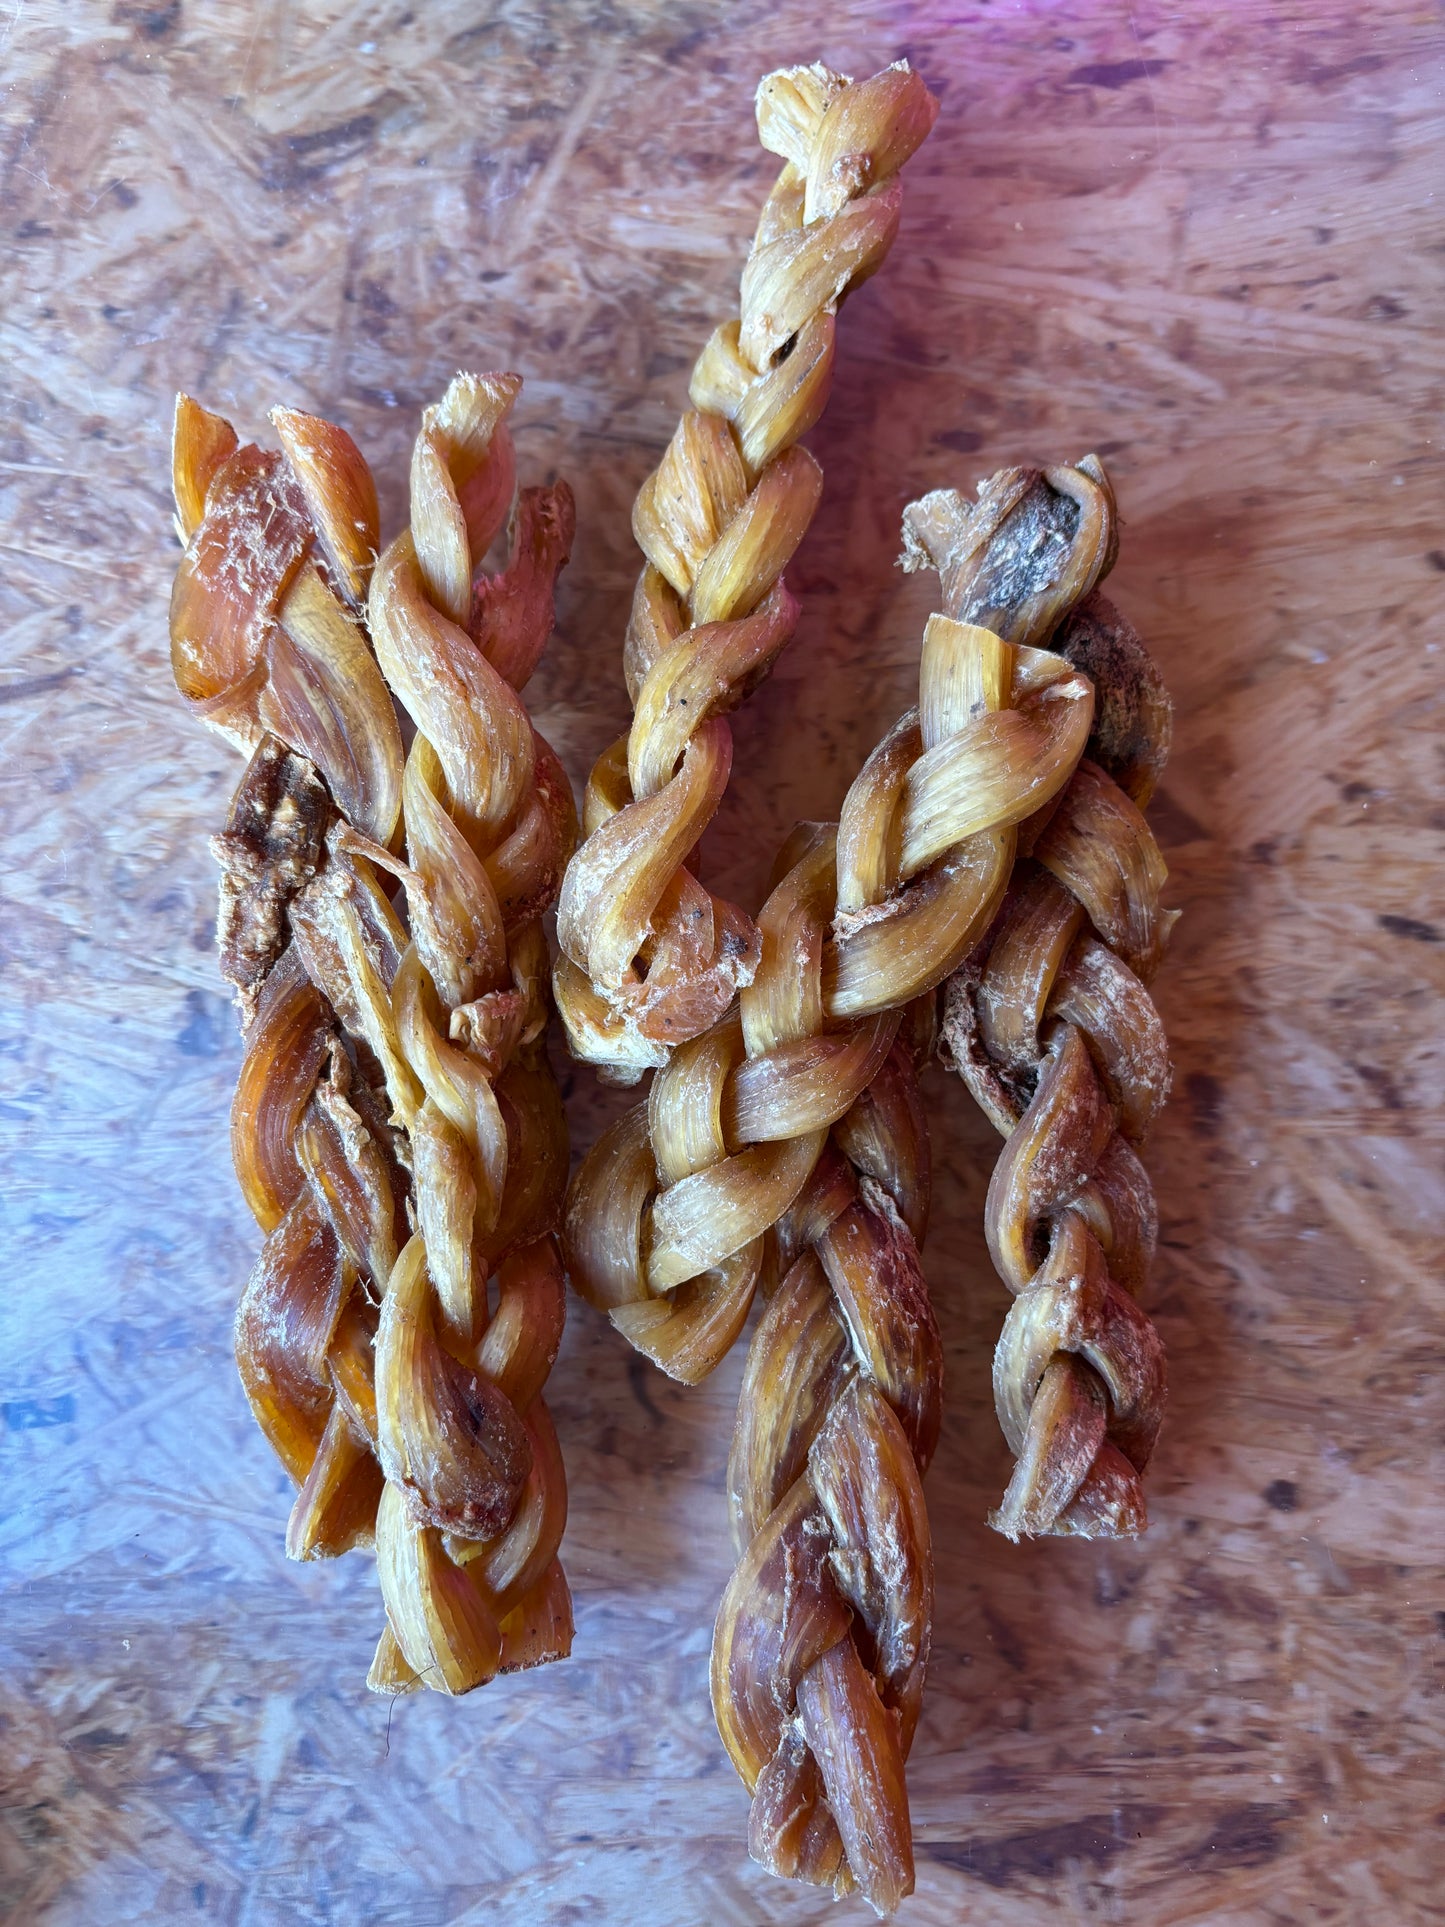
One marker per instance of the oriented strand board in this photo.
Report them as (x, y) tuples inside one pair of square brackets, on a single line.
[(1204, 240)]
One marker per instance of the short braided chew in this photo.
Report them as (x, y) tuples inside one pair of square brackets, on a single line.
[(1050, 1025), (392, 1075), (669, 1216), (650, 958)]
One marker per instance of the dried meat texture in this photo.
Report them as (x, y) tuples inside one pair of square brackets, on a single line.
[(271, 848)]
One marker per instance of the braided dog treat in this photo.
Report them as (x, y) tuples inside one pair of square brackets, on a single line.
[(650, 958), (669, 1215), (1050, 1025), (336, 1005), (475, 1499)]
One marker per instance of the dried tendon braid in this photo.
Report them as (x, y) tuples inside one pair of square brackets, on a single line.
[(340, 1010), (475, 1499), (266, 646), (650, 958), (1050, 1025), (669, 1216)]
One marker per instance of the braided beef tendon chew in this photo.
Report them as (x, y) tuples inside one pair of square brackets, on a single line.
[(475, 1498), (267, 648), (669, 1216), (1051, 1026), (393, 1078), (650, 958)]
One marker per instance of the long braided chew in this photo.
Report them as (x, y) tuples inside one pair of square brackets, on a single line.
[(1050, 1025), (823, 1634), (402, 1407), (669, 1215), (650, 957)]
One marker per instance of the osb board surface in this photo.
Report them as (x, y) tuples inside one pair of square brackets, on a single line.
[(1200, 239)]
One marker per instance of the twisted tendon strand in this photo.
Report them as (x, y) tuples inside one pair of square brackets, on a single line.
[(267, 647), (668, 1218), (1051, 1026), (651, 959), (475, 1498)]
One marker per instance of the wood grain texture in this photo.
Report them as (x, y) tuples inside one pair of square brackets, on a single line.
[(1199, 239)]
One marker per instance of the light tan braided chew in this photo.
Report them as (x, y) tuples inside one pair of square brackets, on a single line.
[(669, 1215), (650, 958), (1050, 1025), (326, 974)]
